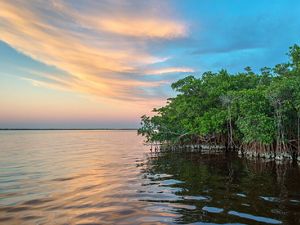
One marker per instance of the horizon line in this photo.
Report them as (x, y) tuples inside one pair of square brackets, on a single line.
[(68, 129)]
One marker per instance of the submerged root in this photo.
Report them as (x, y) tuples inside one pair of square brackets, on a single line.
[(249, 151)]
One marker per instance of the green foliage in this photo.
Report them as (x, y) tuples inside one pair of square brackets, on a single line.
[(213, 121), (242, 108), (257, 127)]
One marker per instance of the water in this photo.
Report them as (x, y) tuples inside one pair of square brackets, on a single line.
[(110, 177)]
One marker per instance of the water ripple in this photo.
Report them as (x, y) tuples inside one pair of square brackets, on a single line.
[(97, 177)]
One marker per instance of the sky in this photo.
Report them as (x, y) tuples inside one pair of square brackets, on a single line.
[(104, 63)]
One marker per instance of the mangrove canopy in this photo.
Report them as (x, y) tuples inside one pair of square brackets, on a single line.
[(256, 112)]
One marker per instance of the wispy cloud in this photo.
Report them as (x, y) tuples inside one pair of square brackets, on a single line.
[(102, 48), (153, 28), (169, 70)]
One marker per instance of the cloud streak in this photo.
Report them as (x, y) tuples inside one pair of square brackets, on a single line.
[(169, 70), (103, 53), (153, 28)]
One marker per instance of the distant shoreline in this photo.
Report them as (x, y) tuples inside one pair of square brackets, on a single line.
[(3, 129)]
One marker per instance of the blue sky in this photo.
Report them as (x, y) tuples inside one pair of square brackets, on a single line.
[(105, 63)]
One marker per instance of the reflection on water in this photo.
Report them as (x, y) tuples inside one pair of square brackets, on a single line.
[(222, 188), (98, 177)]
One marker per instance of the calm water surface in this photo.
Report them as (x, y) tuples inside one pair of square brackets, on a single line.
[(110, 177)]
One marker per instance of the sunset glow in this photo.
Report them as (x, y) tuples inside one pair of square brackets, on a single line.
[(74, 64)]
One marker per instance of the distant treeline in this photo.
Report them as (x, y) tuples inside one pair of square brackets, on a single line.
[(252, 112)]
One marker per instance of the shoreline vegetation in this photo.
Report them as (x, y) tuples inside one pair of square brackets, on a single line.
[(254, 114)]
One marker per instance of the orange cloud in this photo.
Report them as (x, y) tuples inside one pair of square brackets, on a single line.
[(144, 28), (93, 50)]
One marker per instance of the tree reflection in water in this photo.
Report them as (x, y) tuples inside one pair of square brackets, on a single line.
[(222, 188)]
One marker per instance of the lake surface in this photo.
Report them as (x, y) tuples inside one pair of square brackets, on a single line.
[(110, 177)]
